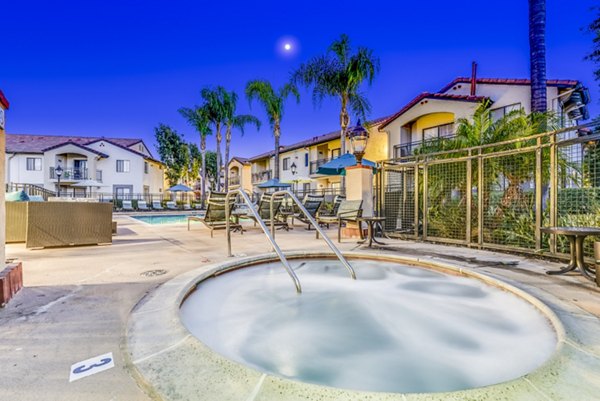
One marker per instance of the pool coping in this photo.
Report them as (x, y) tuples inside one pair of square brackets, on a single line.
[(157, 344)]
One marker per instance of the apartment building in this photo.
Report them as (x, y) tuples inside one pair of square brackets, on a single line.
[(301, 160), (118, 166), (431, 116)]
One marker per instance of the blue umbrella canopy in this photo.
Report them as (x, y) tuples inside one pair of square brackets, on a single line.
[(338, 165), (273, 183), (180, 188)]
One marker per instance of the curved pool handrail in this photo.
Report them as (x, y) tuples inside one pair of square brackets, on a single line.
[(262, 225), (315, 224)]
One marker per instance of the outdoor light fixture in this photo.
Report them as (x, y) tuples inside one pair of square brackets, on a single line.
[(358, 140), (294, 169), (58, 171)]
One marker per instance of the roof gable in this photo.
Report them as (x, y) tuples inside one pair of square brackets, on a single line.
[(68, 143), (437, 96)]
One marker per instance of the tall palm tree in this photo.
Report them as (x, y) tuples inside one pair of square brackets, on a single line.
[(272, 101), (198, 117), (214, 104), (340, 74), (537, 54), (233, 120)]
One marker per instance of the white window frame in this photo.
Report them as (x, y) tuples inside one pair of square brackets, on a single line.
[(36, 164), (125, 166)]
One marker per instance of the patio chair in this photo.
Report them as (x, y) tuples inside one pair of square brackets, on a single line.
[(312, 204), (264, 211), (172, 206), (156, 205), (214, 218), (348, 211), (186, 206), (127, 206), (337, 201), (142, 205)]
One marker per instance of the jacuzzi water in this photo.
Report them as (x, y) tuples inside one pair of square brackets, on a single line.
[(395, 329)]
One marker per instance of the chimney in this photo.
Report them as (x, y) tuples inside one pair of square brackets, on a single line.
[(473, 78)]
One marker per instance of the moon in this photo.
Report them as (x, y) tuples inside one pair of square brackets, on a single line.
[(287, 47)]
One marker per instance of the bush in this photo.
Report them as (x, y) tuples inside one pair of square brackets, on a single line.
[(578, 200)]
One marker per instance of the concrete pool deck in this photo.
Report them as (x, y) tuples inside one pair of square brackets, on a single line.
[(77, 303)]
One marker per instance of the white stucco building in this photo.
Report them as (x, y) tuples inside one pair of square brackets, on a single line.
[(121, 167)]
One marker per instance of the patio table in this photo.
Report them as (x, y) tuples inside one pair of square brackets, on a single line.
[(372, 222), (576, 236)]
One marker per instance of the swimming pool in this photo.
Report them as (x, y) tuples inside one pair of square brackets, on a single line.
[(166, 218)]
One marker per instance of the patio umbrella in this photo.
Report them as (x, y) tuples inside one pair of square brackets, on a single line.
[(273, 183), (180, 188), (338, 165), (298, 180)]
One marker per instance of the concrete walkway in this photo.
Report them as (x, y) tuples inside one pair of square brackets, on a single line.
[(76, 301)]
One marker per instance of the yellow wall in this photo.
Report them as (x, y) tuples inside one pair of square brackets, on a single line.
[(377, 147)]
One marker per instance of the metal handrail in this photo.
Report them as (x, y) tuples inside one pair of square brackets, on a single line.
[(262, 225), (314, 223)]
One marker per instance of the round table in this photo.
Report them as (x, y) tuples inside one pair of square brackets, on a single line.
[(576, 236)]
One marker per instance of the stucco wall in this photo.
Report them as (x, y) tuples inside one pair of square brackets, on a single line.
[(16, 169)]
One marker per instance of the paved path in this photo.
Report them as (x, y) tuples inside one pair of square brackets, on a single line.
[(76, 301)]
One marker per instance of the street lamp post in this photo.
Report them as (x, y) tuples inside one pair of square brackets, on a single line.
[(359, 137), (58, 171)]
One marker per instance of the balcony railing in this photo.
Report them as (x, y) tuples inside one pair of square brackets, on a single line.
[(75, 174), (261, 176), (314, 165), (408, 149)]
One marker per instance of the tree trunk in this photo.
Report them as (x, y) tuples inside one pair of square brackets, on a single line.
[(219, 138), (276, 133), (227, 144), (203, 187), (344, 122), (537, 54)]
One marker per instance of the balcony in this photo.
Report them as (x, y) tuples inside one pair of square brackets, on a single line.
[(314, 165), (408, 149), (234, 180), (261, 176), (75, 174)]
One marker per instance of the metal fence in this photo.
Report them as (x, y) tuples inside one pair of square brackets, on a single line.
[(497, 196)]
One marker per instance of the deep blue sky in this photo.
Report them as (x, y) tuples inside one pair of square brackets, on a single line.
[(118, 68)]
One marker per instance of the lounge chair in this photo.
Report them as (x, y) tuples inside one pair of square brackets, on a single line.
[(172, 206), (312, 204), (264, 211), (348, 211), (214, 218), (157, 206), (142, 205), (186, 206), (337, 201), (127, 206)]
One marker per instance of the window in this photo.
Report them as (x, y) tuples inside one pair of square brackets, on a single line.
[(146, 167), (501, 112), (335, 153), (439, 131), (286, 163), (122, 166), (34, 164), (306, 160)]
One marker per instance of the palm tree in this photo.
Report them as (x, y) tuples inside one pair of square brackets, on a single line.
[(272, 101), (198, 118), (214, 104), (339, 74), (537, 54), (232, 120)]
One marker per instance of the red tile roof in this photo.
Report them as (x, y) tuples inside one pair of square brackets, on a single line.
[(439, 96), (21, 143), (310, 142), (565, 83), (3, 100)]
